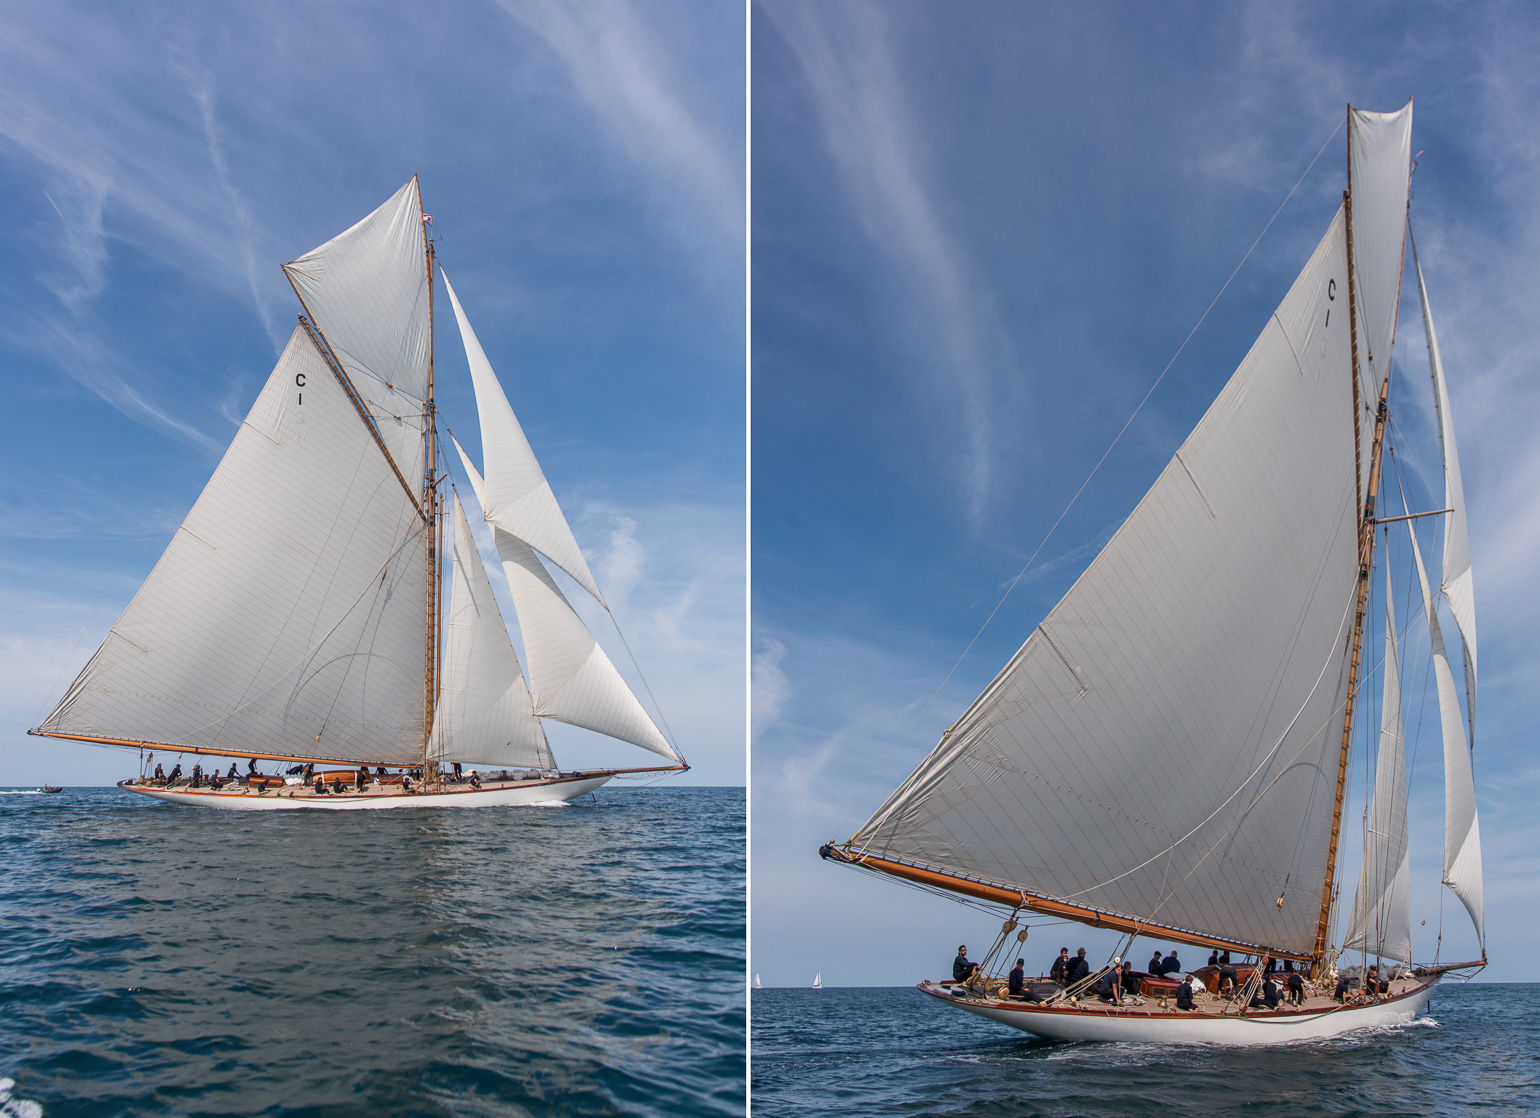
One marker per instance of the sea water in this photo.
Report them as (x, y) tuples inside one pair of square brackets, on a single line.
[(577, 960), (893, 1051)]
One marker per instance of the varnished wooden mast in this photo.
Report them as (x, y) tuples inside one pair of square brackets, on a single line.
[(431, 502), (1366, 525)]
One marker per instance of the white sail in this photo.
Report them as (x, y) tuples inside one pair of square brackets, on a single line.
[(367, 292), (572, 679), (1164, 746), (1382, 912), (1456, 582), (1462, 830), (758, 985), (485, 714), (286, 615), (1379, 170), (517, 498)]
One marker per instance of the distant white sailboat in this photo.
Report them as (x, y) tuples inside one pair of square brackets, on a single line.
[(818, 981), (297, 613), (1177, 730), (758, 985)]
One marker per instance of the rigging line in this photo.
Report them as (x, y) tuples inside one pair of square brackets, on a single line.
[(1100, 461), (123, 552)]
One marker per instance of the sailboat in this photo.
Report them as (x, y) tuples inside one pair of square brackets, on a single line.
[(298, 613), (758, 985), (1167, 754), (818, 981)]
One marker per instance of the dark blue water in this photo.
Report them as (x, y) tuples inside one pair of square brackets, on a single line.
[(580, 960), (892, 1051)]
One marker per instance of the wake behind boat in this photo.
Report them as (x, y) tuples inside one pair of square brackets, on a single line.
[(1167, 754), (298, 612)]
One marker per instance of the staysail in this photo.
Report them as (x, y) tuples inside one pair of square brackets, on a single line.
[(1164, 748), (285, 617), (516, 496), (571, 677), (1462, 830), (485, 714), (1382, 914)]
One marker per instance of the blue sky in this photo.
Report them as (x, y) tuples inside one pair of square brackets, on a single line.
[(979, 233), (585, 169)]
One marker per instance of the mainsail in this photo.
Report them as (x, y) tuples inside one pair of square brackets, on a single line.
[(286, 615), (1382, 914), (1164, 752)]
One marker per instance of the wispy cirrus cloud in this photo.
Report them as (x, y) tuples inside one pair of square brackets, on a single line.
[(635, 90), (884, 156)]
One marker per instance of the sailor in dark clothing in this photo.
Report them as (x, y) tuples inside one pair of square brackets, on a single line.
[(1017, 979), (197, 781), (1272, 992), (1224, 959), (456, 767), (1130, 979), (1170, 965), (1227, 975), (1344, 984), (962, 968), (1154, 967), (1077, 969), (251, 766), (1184, 993), (1296, 988), (159, 772), (1110, 986), (176, 773), (1060, 967), (1213, 958), (320, 786)]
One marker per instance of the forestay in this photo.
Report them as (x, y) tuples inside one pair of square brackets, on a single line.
[(367, 292), (1382, 915), (485, 714), (286, 615), (1164, 746)]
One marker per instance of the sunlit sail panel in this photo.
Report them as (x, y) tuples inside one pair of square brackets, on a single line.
[(572, 679), (516, 496), (1457, 584), (367, 292), (286, 615), (1462, 830), (1165, 744), (1379, 171), (1382, 914), (485, 714)]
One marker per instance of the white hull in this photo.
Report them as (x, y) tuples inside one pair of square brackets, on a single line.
[(295, 799), (1257, 1028)]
